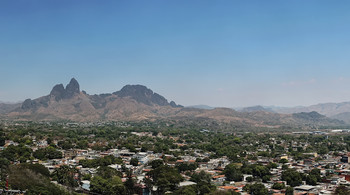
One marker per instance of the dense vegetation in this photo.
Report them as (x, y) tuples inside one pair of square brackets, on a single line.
[(16, 160)]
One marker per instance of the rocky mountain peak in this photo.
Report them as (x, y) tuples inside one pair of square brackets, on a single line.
[(28, 104), (72, 88), (139, 93), (59, 92), (61, 96), (144, 95), (135, 90)]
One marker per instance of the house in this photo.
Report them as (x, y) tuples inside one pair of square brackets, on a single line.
[(85, 186), (304, 188), (228, 188), (187, 183)]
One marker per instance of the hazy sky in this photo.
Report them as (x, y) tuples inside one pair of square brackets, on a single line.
[(219, 53)]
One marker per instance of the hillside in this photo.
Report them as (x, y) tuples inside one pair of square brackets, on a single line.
[(332, 110), (138, 103)]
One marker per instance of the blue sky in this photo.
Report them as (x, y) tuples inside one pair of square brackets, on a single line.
[(219, 53)]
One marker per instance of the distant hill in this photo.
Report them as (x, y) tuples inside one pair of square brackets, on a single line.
[(8, 107), (201, 106), (340, 111), (256, 108), (345, 116), (313, 118), (333, 110), (138, 103)]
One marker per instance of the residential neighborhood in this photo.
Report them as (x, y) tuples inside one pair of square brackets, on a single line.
[(292, 163)]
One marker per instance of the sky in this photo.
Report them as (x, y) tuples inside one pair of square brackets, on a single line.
[(219, 53)]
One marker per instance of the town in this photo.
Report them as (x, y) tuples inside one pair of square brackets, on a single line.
[(124, 158)]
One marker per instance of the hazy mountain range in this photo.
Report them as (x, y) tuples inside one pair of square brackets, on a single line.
[(339, 111), (137, 103)]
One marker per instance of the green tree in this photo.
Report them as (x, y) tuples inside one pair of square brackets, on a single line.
[(83, 144), (66, 176), (134, 161), (220, 192), (4, 163), (109, 186), (292, 177), (130, 185), (272, 166), (187, 190), (256, 189), (203, 181), (108, 172), (249, 179), (283, 161), (13, 153), (66, 145), (156, 163), (317, 173), (2, 138), (23, 178), (165, 178), (201, 177), (289, 191), (47, 153), (86, 177), (311, 180), (232, 173), (182, 167), (37, 168), (260, 171), (342, 190), (278, 186), (104, 161), (266, 178)]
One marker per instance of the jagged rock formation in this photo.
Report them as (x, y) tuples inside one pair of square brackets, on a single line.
[(72, 88), (59, 92)]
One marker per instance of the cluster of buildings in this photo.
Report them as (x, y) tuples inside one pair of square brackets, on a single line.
[(335, 169)]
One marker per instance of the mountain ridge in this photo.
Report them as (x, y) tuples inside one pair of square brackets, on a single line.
[(137, 103), (332, 110), (132, 102)]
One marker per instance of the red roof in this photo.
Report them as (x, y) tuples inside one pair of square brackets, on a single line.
[(228, 187), (218, 176)]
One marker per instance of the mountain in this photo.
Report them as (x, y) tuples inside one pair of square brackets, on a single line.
[(332, 110), (132, 102), (340, 111), (255, 109), (201, 107), (313, 118), (138, 103), (344, 116), (57, 93), (144, 95), (8, 107)]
